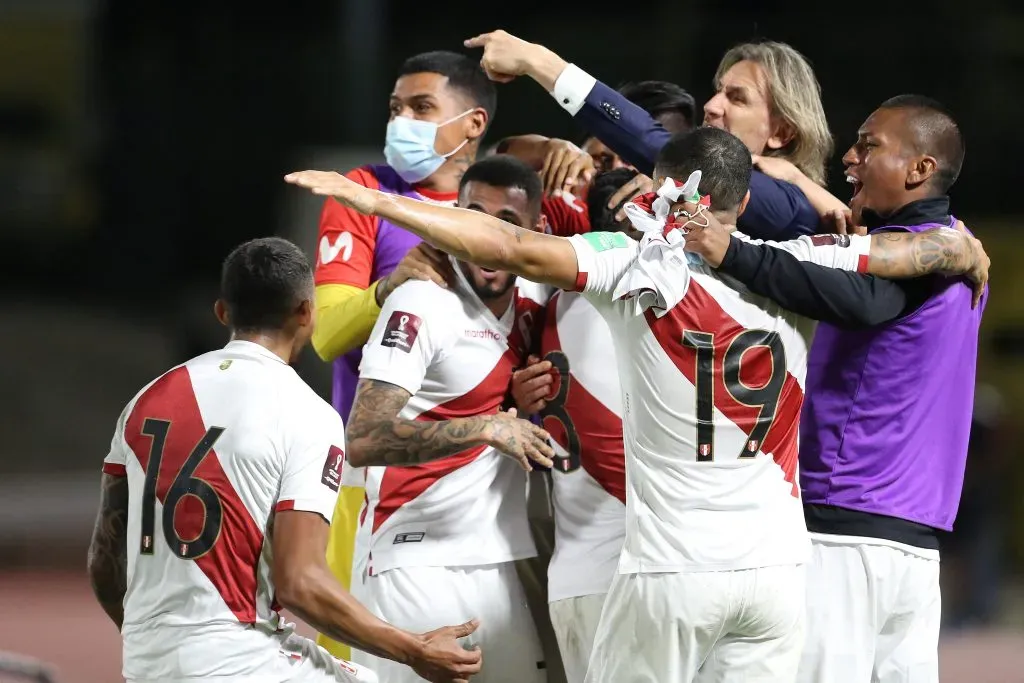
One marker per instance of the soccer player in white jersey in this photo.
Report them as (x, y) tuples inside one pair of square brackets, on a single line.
[(216, 499), (575, 389), (710, 581), (445, 513)]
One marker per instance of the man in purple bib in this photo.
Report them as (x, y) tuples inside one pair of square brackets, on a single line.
[(886, 421)]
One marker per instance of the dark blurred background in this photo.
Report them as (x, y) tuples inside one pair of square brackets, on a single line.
[(140, 141)]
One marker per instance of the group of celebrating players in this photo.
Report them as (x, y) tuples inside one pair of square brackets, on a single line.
[(751, 402)]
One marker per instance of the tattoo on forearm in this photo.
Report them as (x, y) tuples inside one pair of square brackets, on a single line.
[(382, 439), (903, 254), (108, 558)]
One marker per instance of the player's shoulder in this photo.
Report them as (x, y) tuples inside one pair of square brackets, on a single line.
[(534, 292), (423, 296), (367, 176), (151, 385), (566, 214), (300, 408)]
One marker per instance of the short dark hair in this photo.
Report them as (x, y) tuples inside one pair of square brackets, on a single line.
[(463, 73), (937, 134), (656, 98), (262, 282), (607, 183), (504, 170), (660, 97), (724, 162)]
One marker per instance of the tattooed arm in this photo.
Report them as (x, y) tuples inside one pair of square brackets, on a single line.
[(467, 235), (376, 435), (941, 251), (108, 549)]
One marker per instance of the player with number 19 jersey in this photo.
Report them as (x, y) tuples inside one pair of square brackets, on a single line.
[(712, 489), (712, 385), (211, 450)]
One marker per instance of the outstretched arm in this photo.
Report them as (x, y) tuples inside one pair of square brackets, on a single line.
[(467, 235), (939, 251), (892, 255)]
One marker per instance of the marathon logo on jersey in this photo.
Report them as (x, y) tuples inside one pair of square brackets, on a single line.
[(331, 477), (413, 537), (483, 334), (401, 331), (828, 240)]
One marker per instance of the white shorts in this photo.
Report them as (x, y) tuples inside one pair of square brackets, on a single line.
[(310, 663), (873, 614), (711, 627), (575, 622), (421, 599), (299, 660)]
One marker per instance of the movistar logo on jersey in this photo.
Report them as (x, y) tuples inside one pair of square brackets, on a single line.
[(602, 241)]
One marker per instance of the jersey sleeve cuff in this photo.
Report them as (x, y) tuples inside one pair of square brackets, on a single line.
[(572, 87), (861, 246), (115, 469), (305, 505), (584, 261)]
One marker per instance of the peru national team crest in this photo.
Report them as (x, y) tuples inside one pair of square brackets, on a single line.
[(331, 477), (401, 331)]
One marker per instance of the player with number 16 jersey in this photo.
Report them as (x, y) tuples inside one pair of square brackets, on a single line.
[(217, 494), (211, 450)]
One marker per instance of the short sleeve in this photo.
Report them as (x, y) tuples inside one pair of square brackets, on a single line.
[(353, 476), (842, 252), (347, 240), (117, 458), (602, 258), (407, 336), (313, 462)]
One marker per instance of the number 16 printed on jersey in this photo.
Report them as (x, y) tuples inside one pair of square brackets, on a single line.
[(183, 483)]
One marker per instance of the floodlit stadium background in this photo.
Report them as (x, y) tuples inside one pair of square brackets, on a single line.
[(140, 141)]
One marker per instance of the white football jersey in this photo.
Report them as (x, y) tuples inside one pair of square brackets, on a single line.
[(211, 450), (584, 417), (455, 358), (712, 391)]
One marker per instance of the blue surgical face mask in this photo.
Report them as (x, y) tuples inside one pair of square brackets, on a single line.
[(409, 147)]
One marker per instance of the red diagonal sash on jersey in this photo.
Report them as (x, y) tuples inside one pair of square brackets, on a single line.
[(231, 563), (698, 311), (400, 485), (599, 430)]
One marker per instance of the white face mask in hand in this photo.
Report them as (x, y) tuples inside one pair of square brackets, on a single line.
[(409, 147), (651, 213)]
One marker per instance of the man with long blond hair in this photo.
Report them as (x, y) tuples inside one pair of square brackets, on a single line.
[(766, 94)]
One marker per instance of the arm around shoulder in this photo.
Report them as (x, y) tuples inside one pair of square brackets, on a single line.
[(345, 316)]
